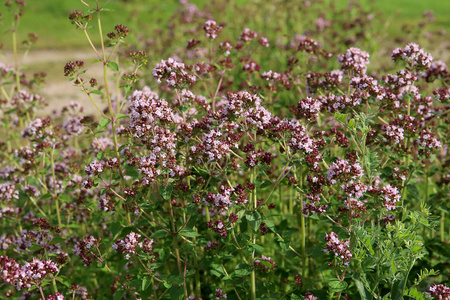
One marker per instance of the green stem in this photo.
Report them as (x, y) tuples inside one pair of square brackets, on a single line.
[(52, 160), (16, 59), (111, 112), (177, 251), (253, 274)]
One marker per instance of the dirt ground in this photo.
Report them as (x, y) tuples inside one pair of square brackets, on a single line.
[(57, 90)]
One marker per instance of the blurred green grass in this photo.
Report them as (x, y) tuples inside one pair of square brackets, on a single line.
[(49, 18)]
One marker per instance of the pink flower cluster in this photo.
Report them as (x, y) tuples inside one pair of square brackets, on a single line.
[(391, 196), (83, 249), (173, 73), (414, 56), (343, 170), (129, 244), (211, 28), (308, 108), (354, 60), (8, 192), (441, 291), (29, 274), (339, 248)]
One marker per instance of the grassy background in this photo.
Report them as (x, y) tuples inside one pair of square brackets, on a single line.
[(50, 21)]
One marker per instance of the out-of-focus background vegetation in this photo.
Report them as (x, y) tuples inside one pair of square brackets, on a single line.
[(49, 18), (376, 26)]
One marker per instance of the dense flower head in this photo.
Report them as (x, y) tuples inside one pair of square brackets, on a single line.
[(94, 168), (226, 47), (391, 196), (120, 32), (354, 60), (366, 86), (354, 189), (83, 249), (393, 133), (310, 296), (339, 248), (57, 296), (8, 192), (427, 139), (73, 126), (439, 291), (38, 129), (309, 45), (308, 108), (211, 28), (339, 103), (128, 245), (343, 170), (247, 35), (26, 275), (414, 56), (173, 73), (324, 81), (25, 98), (146, 110)]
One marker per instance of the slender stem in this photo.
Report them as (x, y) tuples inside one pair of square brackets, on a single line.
[(111, 111), (16, 59), (52, 160), (302, 224), (42, 292), (253, 274), (175, 246)]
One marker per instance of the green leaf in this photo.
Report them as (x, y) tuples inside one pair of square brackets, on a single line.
[(365, 294), (176, 292), (145, 283), (243, 269), (413, 191), (57, 240), (254, 220), (351, 124), (270, 225), (118, 295), (97, 92), (103, 123), (122, 116), (113, 66), (189, 233), (257, 247), (34, 248), (128, 89), (336, 285), (115, 228), (64, 280), (396, 290), (166, 191), (158, 234), (64, 198), (100, 155)]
